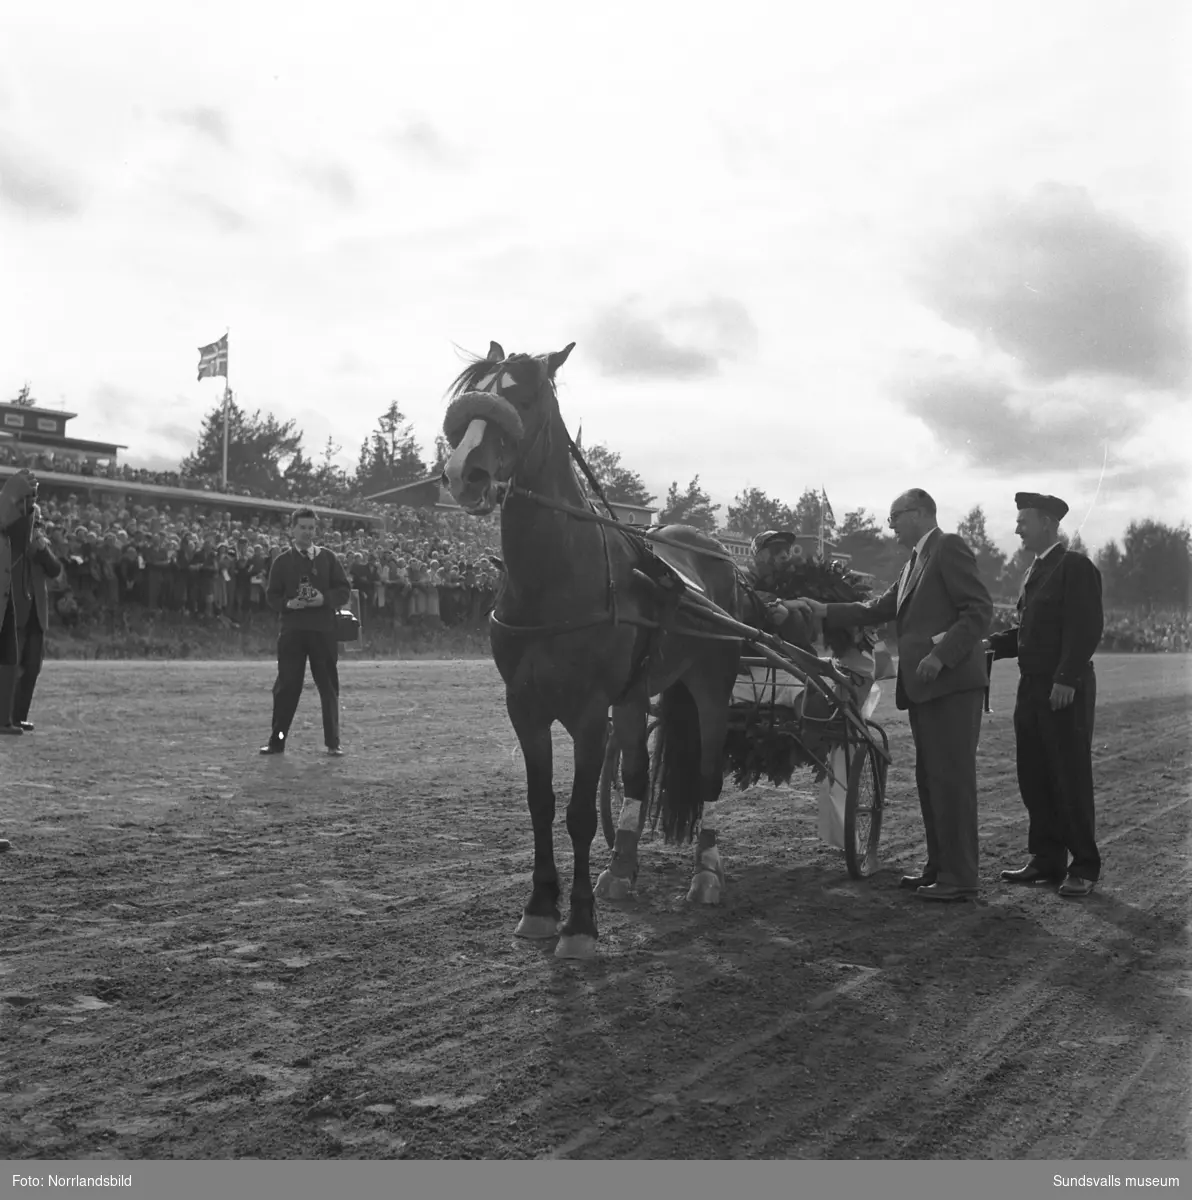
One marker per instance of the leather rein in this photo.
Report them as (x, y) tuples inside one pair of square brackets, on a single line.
[(611, 614)]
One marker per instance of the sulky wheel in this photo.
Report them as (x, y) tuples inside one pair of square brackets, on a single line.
[(863, 812)]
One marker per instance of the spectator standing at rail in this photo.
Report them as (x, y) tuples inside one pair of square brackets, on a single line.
[(307, 586), (1060, 626)]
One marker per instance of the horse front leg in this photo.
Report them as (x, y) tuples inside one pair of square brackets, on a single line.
[(577, 938), (708, 873), (541, 916), (630, 730)]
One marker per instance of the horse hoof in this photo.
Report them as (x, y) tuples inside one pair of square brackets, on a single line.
[(613, 887), (576, 945), (705, 888), (537, 928)]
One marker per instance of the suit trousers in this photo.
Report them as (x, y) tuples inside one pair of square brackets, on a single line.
[(294, 648), (1055, 775), (946, 731), (33, 647), (9, 659)]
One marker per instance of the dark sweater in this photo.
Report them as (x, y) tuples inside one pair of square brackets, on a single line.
[(1060, 620), (325, 574)]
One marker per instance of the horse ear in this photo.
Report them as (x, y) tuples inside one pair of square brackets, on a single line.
[(558, 358), (495, 353)]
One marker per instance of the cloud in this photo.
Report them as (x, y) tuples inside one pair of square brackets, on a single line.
[(333, 180), (689, 341), (351, 363), (32, 186), (420, 141), (1067, 289), (210, 122), (223, 216), (988, 419)]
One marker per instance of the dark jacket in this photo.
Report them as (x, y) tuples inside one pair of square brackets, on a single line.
[(945, 608), (1060, 619), (325, 573), (30, 569)]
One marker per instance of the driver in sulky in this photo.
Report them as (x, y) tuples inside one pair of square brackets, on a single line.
[(771, 553)]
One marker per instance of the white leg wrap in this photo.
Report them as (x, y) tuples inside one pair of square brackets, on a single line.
[(708, 820), (631, 812)]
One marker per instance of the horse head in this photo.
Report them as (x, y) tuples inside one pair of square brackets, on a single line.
[(498, 423)]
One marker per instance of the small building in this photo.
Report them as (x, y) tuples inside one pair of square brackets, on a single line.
[(43, 431)]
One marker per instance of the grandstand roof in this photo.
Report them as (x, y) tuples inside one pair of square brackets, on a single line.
[(164, 492), (49, 441)]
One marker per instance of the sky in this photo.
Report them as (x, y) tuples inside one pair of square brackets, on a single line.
[(865, 247)]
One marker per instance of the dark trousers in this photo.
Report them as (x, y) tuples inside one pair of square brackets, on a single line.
[(1055, 775), (33, 648), (9, 660), (294, 648), (946, 732)]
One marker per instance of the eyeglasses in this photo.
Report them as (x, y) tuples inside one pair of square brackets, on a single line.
[(898, 513)]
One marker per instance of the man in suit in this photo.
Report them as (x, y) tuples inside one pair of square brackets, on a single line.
[(941, 611), (307, 586), (1060, 623), (16, 503), (34, 564)]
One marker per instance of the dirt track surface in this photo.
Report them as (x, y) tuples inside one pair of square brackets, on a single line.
[(205, 954)]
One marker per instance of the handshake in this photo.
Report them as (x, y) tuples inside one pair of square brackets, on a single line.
[(810, 610)]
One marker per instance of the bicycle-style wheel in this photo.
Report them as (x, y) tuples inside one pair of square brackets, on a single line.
[(863, 812)]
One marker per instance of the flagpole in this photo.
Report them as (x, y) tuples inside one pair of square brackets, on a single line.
[(227, 403), (821, 537)]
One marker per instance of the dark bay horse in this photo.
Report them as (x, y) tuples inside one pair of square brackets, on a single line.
[(575, 632)]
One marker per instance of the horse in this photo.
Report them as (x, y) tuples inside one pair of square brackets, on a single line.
[(577, 631)]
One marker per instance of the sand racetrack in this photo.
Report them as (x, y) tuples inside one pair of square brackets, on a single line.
[(206, 954)]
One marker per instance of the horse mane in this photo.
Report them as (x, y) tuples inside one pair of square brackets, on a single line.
[(477, 369)]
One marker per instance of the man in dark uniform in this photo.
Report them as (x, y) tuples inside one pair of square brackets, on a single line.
[(307, 586), (1060, 622)]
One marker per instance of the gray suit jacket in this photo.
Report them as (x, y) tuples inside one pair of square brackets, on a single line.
[(946, 608)]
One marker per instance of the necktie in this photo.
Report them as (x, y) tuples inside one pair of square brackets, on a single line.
[(906, 579)]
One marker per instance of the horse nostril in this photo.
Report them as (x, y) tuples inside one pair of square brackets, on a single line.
[(477, 476)]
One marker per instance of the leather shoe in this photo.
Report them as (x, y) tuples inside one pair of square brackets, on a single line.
[(27, 726), (335, 752), (945, 891), (5, 844), (274, 747), (11, 730), (912, 882), (1033, 876), (1075, 886)]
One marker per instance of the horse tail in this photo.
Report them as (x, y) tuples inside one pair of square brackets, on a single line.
[(675, 790)]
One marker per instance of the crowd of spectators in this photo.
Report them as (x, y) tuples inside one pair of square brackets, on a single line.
[(428, 567), (1126, 631)]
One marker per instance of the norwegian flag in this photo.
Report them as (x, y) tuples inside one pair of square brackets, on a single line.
[(213, 359)]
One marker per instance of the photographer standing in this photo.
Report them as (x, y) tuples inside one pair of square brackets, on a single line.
[(307, 585)]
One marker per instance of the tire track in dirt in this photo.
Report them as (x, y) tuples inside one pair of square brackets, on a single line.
[(332, 972)]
